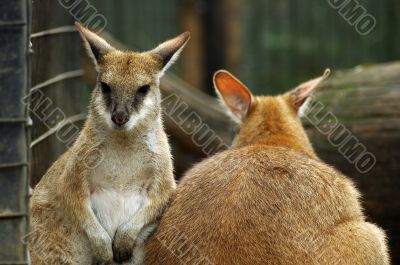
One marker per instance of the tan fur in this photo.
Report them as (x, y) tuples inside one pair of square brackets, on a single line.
[(268, 200), (102, 198)]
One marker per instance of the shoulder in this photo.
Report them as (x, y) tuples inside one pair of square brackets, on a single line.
[(49, 181), (261, 161)]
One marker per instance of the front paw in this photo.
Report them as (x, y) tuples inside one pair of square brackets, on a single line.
[(102, 249), (123, 245)]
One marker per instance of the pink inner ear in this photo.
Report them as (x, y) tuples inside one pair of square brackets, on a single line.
[(237, 104), (236, 96), (167, 49), (305, 89)]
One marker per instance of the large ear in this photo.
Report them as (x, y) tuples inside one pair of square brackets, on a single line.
[(234, 94), (94, 44), (301, 93), (169, 51)]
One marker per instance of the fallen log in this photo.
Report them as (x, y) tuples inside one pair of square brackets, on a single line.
[(365, 104)]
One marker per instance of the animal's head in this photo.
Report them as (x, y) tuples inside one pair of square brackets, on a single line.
[(127, 87), (266, 119)]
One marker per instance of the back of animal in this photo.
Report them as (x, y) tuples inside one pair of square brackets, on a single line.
[(268, 200)]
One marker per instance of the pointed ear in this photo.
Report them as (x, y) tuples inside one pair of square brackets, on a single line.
[(301, 93), (94, 44), (169, 51), (234, 94)]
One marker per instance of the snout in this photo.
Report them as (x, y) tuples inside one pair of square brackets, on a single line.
[(120, 118)]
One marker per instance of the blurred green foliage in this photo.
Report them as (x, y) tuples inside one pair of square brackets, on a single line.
[(283, 42)]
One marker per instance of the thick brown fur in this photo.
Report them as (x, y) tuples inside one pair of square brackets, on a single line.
[(268, 200), (101, 199)]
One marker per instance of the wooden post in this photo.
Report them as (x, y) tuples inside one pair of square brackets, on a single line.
[(14, 122), (222, 35), (365, 101), (56, 75), (193, 57)]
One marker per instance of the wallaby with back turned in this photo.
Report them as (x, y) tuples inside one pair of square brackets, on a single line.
[(101, 199), (268, 200)]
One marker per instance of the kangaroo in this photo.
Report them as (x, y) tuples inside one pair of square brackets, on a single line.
[(267, 200), (101, 199)]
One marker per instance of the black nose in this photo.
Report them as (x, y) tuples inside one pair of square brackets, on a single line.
[(119, 118)]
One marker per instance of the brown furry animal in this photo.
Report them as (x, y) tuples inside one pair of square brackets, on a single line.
[(268, 200), (102, 198)]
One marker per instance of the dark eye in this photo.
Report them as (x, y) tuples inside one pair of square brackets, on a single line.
[(143, 90), (105, 88)]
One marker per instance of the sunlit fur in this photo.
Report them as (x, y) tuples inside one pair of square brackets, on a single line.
[(102, 198), (269, 200)]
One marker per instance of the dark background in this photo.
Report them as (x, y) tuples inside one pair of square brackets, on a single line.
[(271, 45)]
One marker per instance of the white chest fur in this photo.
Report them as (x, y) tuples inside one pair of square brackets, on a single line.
[(114, 208), (118, 185)]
